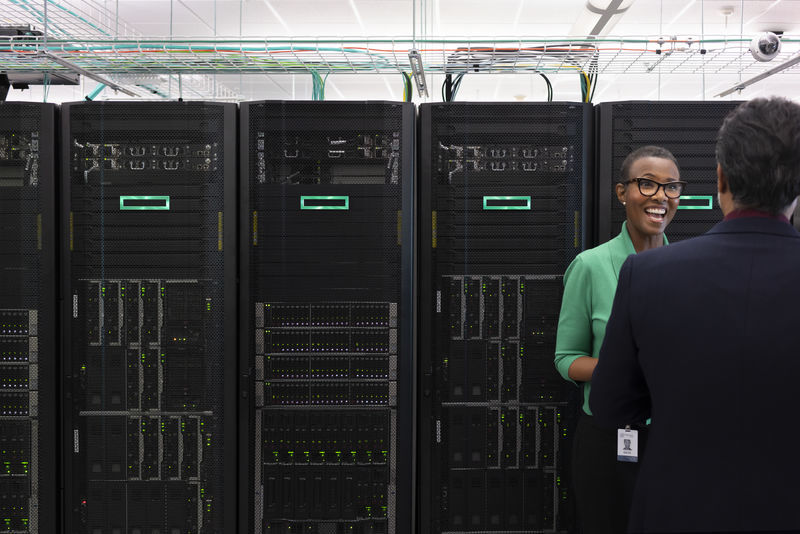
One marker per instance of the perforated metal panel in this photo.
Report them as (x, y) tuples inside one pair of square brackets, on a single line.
[(689, 131), (149, 271), (326, 305), (28, 330), (503, 213)]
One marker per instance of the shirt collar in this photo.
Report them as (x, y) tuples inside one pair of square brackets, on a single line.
[(742, 213), (627, 238), (622, 247)]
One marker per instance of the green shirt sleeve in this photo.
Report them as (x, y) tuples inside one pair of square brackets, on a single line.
[(574, 337)]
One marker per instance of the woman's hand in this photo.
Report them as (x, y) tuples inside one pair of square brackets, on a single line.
[(582, 368)]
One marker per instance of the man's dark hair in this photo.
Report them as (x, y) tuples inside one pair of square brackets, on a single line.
[(649, 151), (758, 148)]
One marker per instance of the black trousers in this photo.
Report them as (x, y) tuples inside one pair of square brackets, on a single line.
[(603, 485)]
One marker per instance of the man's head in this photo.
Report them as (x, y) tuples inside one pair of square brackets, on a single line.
[(758, 156)]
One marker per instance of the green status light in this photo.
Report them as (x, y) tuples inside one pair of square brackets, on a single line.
[(324, 202), (707, 202), (143, 203), (506, 203)]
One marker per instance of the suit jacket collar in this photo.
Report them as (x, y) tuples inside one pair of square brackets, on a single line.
[(754, 225)]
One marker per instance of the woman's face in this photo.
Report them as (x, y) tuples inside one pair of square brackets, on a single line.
[(649, 216)]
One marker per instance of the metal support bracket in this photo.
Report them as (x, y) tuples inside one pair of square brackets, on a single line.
[(418, 70), (80, 70)]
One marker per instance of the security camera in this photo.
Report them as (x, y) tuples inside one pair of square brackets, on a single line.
[(765, 46)]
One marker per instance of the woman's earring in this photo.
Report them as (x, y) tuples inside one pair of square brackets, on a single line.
[(624, 203)]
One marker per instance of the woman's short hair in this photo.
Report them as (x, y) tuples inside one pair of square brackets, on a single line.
[(649, 151), (758, 148)]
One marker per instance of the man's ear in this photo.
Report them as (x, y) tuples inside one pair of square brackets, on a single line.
[(722, 180)]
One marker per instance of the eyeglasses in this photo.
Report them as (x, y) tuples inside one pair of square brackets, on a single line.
[(648, 187)]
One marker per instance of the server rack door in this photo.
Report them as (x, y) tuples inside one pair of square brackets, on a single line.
[(28, 330), (149, 316), (689, 131), (327, 331), (503, 213)]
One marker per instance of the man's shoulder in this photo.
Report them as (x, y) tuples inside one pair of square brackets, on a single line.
[(718, 241), (679, 252)]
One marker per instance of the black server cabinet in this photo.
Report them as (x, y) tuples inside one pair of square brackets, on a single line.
[(326, 246), (149, 315), (502, 214), (688, 130), (28, 330)]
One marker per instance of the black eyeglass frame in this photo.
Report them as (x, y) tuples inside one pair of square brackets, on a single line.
[(658, 186)]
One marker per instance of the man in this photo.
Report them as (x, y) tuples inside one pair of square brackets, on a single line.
[(704, 338)]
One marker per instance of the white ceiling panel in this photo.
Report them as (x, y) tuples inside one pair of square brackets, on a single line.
[(467, 20), (710, 17)]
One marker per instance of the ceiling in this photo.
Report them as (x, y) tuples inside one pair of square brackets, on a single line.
[(468, 20), (449, 18)]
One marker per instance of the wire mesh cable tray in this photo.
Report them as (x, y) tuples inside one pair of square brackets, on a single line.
[(250, 56)]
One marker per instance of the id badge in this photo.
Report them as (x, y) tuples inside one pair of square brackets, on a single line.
[(627, 445)]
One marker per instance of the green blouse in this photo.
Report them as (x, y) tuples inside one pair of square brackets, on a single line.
[(589, 286)]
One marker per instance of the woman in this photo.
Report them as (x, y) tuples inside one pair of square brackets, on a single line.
[(649, 188)]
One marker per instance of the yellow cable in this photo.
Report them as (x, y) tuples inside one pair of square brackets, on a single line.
[(588, 86)]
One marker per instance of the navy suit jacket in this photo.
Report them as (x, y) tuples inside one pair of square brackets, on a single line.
[(704, 337)]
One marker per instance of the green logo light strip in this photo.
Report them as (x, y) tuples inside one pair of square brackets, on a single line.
[(144, 203), (709, 202), (497, 203), (313, 203)]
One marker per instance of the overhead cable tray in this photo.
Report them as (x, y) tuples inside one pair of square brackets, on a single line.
[(623, 55)]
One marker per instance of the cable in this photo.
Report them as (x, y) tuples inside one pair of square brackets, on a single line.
[(408, 90), (456, 86), (95, 92), (314, 84), (585, 86), (593, 74), (318, 85), (549, 87), (591, 79)]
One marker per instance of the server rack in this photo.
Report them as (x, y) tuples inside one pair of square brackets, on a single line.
[(28, 329), (503, 213), (688, 130), (326, 333), (148, 217)]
